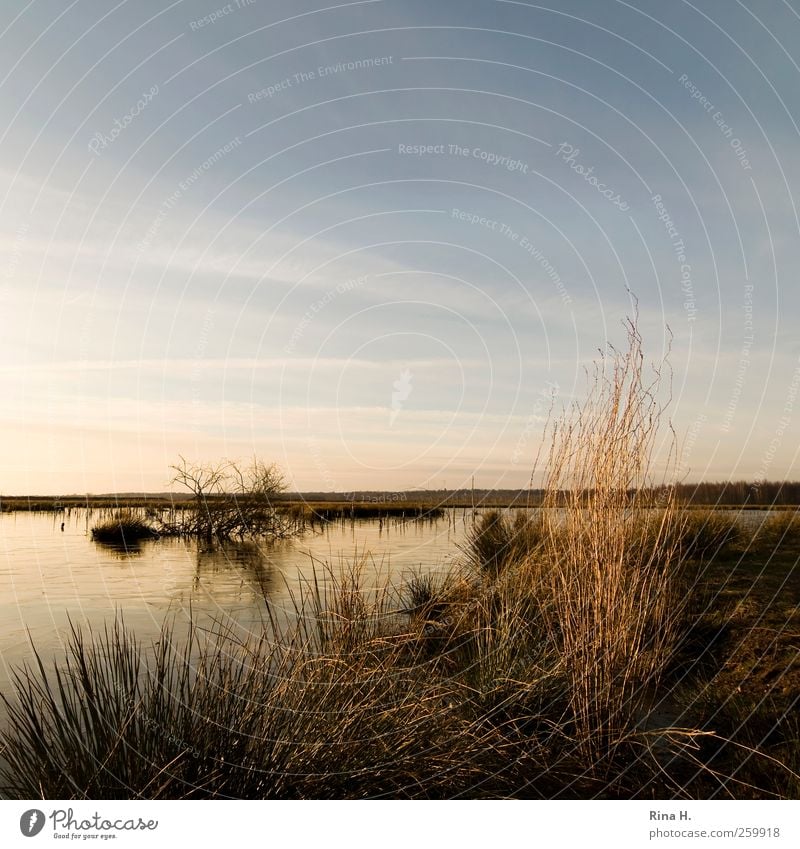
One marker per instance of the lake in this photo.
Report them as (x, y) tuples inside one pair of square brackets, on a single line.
[(49, 577)]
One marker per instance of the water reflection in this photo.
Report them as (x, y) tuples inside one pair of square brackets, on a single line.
[(123, 550), (247, 559)]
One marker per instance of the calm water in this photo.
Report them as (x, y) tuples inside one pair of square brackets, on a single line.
[(49, 577)]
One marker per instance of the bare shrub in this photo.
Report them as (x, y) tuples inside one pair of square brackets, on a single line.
[(231, 500)]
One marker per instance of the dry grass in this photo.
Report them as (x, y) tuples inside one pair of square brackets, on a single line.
[(706, 534), (500, 538), (779, 529), (124, 529), (336, 706), (613, 592)]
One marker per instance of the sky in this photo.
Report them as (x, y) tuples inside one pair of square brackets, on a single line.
[(376, 242)]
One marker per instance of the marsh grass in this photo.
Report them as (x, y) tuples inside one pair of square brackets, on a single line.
[(348, 511), (345, 709), (779, 529), (498, 538), (708, 534), (123, 529), (352, 710), (435, 595)]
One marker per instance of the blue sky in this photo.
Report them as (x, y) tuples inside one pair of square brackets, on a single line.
[(370, 240)]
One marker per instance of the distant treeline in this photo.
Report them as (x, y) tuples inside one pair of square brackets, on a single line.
[(719, 494), (722, 493), (741, 493)]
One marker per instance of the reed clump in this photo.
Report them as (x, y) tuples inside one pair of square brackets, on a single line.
[(612, 595), (433, 595), (779, 529), (124, 529), (498, 538), (705, 534)]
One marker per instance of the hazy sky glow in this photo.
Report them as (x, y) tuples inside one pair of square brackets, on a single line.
[(369, 240)]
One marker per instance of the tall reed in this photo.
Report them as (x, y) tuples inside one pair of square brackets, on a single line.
[(612, 590)]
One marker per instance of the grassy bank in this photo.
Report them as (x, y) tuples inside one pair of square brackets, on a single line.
[(312, 510), (320, 511)]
